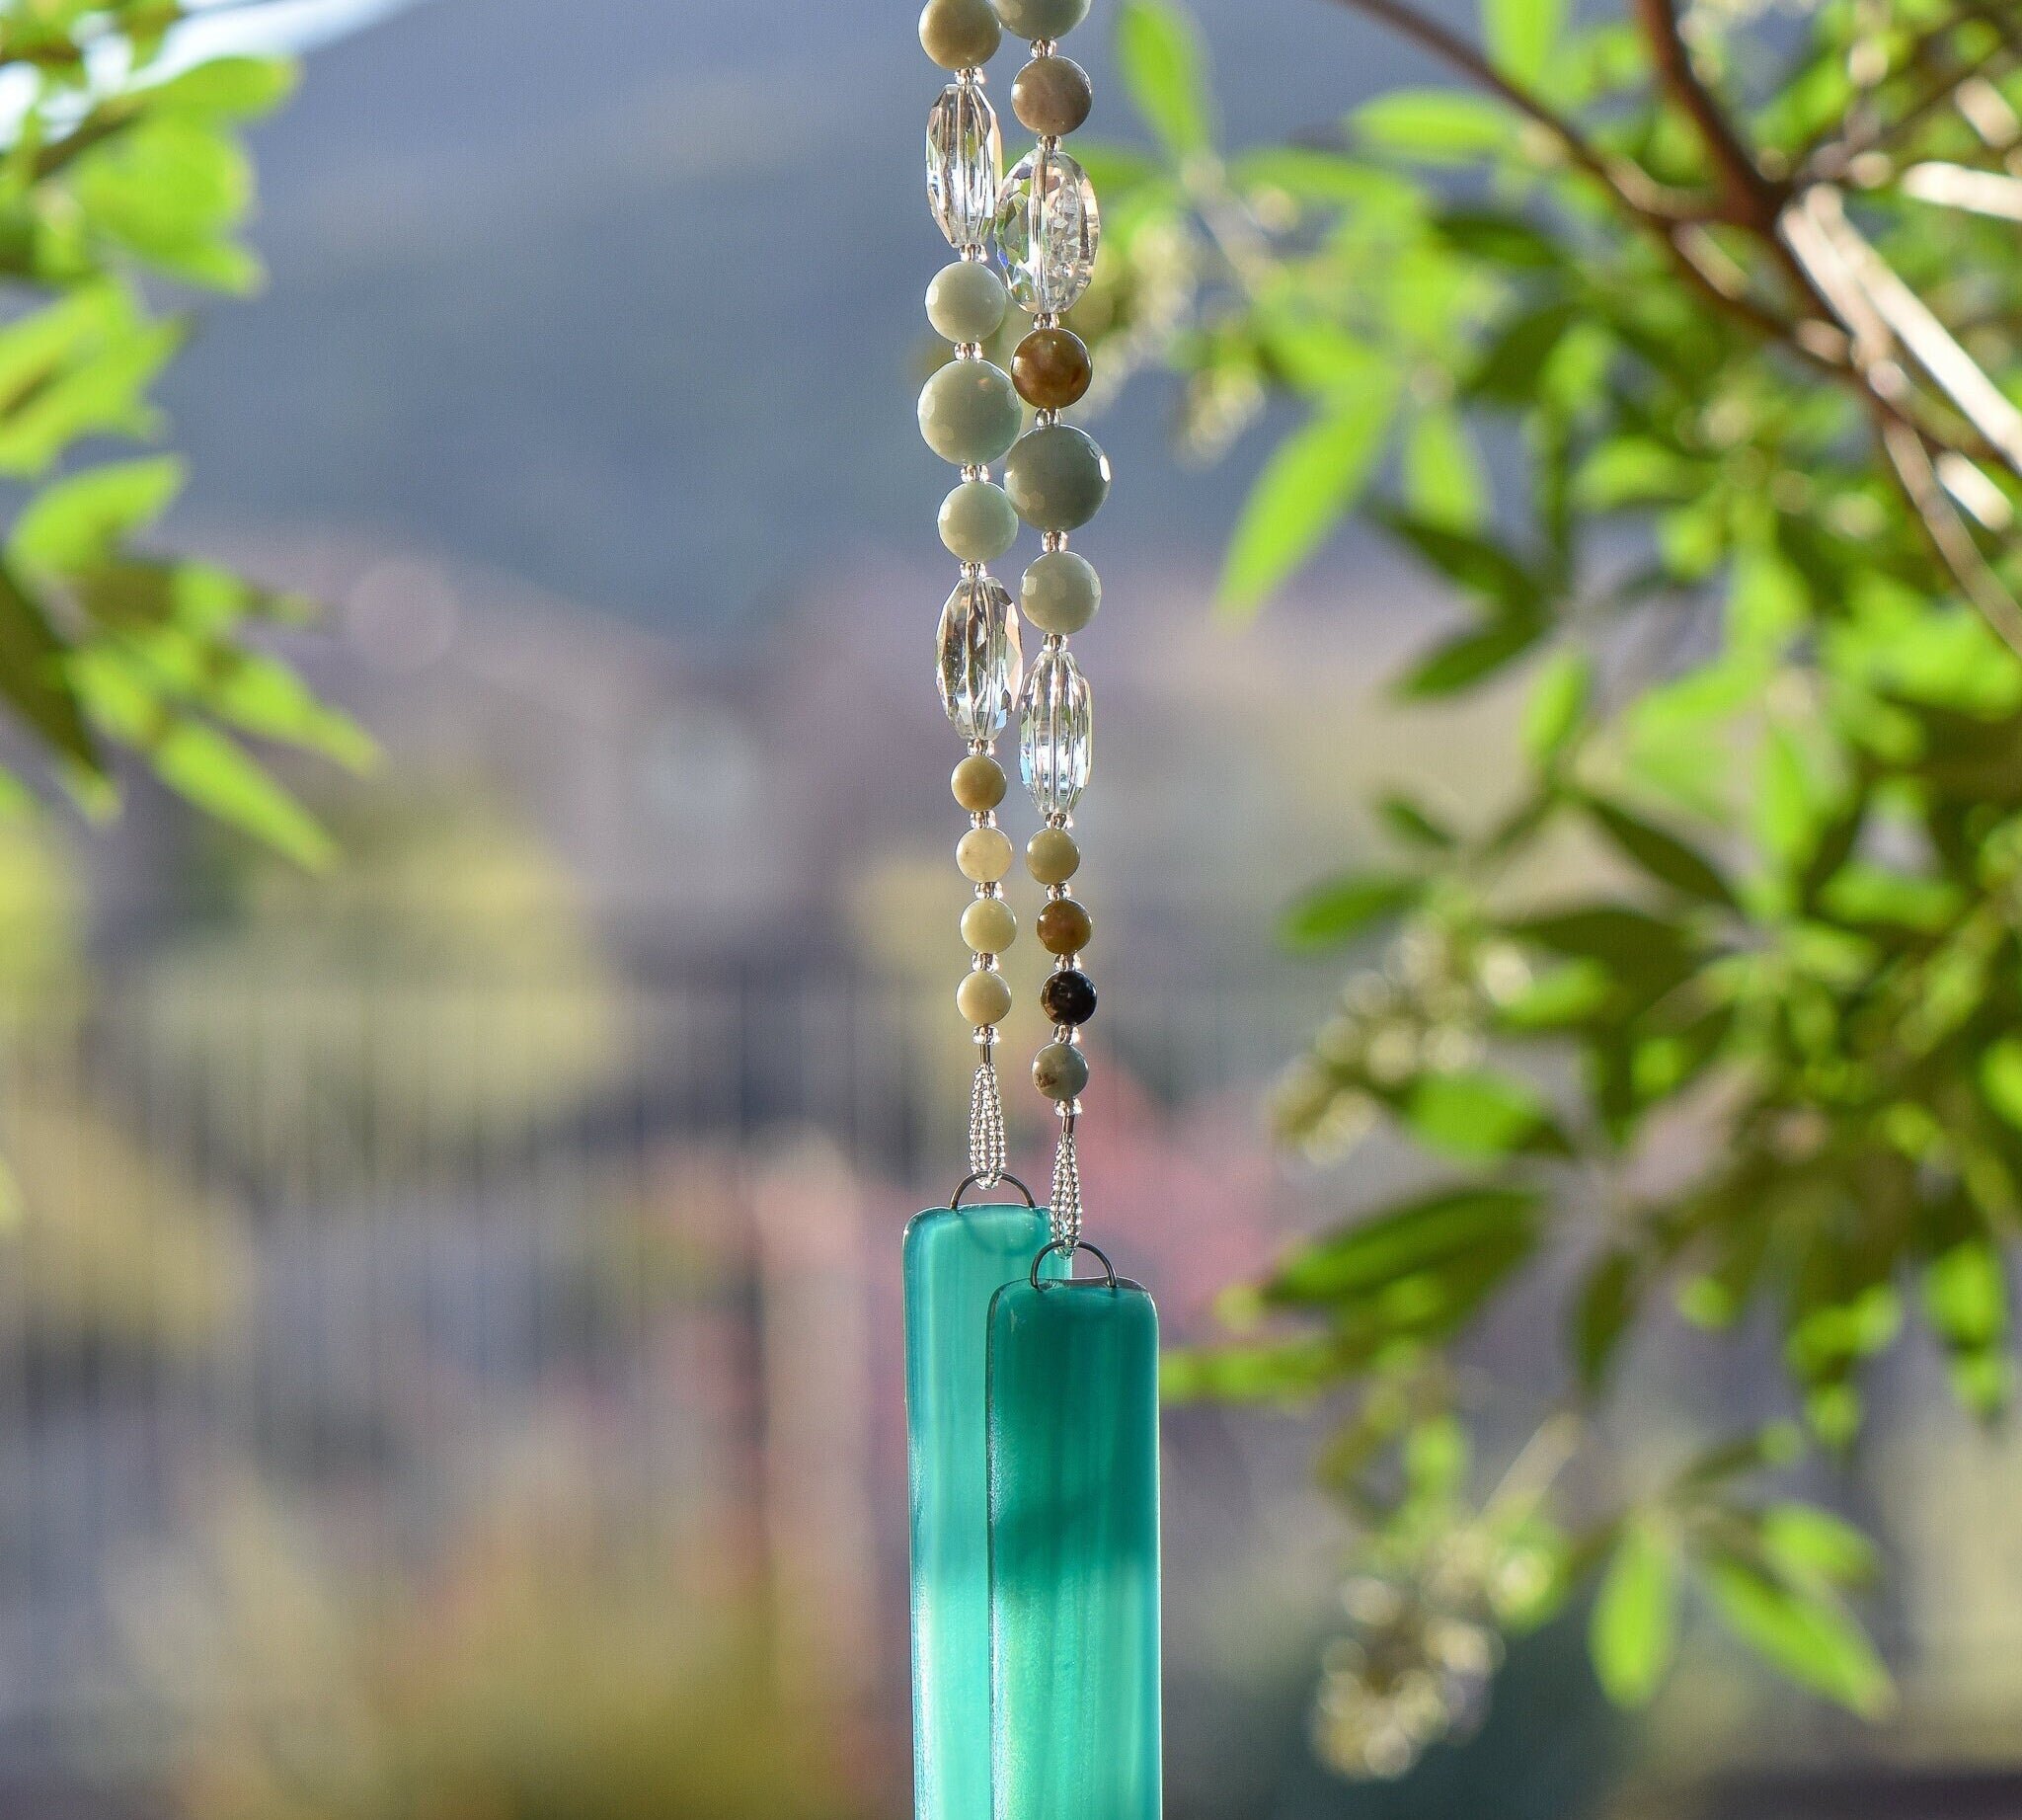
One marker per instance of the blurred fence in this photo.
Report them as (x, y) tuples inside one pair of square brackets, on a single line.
[(353, 1257)]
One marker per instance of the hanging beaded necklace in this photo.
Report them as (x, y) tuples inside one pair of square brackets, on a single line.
[(1031, 1394)]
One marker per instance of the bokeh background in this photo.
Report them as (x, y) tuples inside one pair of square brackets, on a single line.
[(449, 1344)]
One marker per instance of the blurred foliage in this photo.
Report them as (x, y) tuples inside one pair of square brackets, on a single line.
[(1681, 347), (555, 1661), (122, 180), (440, 992)]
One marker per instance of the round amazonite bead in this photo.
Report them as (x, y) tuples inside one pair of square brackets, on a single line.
[(960, 34), (1052, 857), (983, 855), (1063, 927), (1061, 592), (969, 414), (988, 926), (1035, 18), (1051, 96), (978, 522), (983, 998), (1059, 1070), (978, 783), (967, 302), (1056, 476)]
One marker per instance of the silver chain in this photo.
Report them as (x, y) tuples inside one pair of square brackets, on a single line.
[(1066, 1189), (988, 1154)]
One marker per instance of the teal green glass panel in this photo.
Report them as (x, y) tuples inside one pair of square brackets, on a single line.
[(1073, 1439), (955, 1262)]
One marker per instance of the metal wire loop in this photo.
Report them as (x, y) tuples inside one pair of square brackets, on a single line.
[(979, 1182), (1069, 1249)]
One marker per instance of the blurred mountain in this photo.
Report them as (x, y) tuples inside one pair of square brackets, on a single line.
[(622, 297)]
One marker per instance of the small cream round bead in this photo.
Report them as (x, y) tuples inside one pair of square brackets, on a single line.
[(978, 783), (1052, 857), (984, 855), (983, 998), (988, 926)]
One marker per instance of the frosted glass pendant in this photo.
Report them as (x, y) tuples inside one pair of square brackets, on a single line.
[(981, 661), (1048, 226), (965, 157), (1056, 732), (1073, 1480)]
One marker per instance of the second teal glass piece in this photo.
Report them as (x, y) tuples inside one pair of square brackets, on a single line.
[(1074, 1581), (955, 1263)]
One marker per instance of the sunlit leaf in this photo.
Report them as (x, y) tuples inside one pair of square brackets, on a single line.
[(1342, 909), (71, 523), (1438, 126), (1663, 855), (1158, 53), (1310, 481), (1632, 1634), (1805, 1633), (1521, 34)]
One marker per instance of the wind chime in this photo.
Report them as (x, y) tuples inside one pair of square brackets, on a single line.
[(1031, 1391)]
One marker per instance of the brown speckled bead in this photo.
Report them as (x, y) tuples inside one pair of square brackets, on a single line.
[(1052, 96), (978, 783), (959, 33), (1068, 998), (1052, 368), (1063, 927), (1059, 1070)]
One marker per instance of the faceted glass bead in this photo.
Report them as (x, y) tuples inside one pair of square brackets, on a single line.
[(1048, 226), (965, 157), (1055, 733), (979, 657)]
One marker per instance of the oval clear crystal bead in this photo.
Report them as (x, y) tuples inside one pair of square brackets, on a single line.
[(979, 657), (964, 158), (1048, 227), (1056, 732)]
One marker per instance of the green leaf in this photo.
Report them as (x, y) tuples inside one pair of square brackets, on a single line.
[(1558, 702), (196, 760), (1612, 934), (1607, 1305), (1520, 35), (1158, 52), (1281, 1373), (1632, 1634), (1339, 909), (1481, 1114), (225, 89), (1437, 125), (1403, 1241), (1511, 371), (1412, 823), (1805, 1633), (36, 680), (1472, 657), (1803, 1543), (72, 523), (1499, 239), (1314, 476), (1479, 563), (1663, 855), (1443, 476)]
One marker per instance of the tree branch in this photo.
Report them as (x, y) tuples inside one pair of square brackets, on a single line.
[(1753, 200)]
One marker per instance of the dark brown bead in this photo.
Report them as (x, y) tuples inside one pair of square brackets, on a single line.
[(1050, 96), (1068, 998), (1050, 368), (1063, 927)]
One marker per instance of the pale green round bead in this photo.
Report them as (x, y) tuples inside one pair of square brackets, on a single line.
[(960, 34), (970, 413), (967, 302), (1032, 18), (1061, 592), (1057, 477), (978, 783), (978, 522), (988, 926), (1052, 857), (983, 998), (1059, 1070), (983, 855)]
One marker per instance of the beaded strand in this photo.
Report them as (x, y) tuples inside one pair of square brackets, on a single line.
[(1057, 478), (969, 416)]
